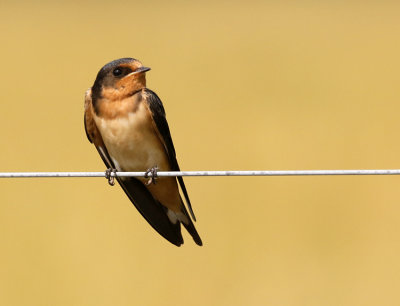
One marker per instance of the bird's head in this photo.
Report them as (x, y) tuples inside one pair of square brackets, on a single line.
[(119, 79)]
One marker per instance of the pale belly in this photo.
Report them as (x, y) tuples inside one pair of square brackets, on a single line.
[(132, 142), (134, 145)]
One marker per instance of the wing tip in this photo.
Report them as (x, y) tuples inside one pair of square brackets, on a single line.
[(198, 242), (152, 210), (193, 232), (177, 243)]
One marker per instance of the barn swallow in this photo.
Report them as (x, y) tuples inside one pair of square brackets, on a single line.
[(126, 122)]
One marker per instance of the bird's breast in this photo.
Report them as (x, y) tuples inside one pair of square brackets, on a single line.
[(132, 141)]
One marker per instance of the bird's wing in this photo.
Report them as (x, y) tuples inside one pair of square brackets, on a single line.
[(162, 128), (150, 209)]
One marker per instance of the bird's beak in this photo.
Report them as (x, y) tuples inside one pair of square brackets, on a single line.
[(139, 70), (142, 69)]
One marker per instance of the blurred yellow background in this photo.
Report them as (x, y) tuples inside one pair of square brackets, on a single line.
[(246, 85)]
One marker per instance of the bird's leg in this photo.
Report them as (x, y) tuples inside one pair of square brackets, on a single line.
[(110, 175), (152, 175)]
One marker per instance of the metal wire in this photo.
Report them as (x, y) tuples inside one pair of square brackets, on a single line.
[(203, 173)]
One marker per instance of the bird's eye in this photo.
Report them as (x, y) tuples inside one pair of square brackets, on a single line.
[(117, 71)]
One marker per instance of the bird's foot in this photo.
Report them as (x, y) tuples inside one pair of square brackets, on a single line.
[(152, 175), (110, 175)]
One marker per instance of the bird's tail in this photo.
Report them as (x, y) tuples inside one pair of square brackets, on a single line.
[(188, 224)]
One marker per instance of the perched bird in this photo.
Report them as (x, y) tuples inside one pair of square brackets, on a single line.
[(126, 122)]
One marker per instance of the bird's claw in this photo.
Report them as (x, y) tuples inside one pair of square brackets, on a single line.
[(152, 175), (110, 175)]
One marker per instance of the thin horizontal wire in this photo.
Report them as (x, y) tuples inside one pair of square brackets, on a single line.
[(203, 173)]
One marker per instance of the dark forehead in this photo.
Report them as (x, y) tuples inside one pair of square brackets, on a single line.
[(110, 66), (116, 63)]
